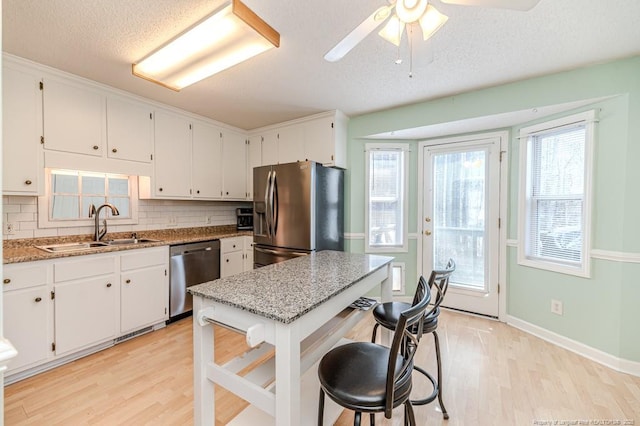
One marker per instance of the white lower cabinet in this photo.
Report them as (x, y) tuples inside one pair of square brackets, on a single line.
[(144, 289), (86, 301), (26, 313), (236, 255), (63, 308), (85, 312)]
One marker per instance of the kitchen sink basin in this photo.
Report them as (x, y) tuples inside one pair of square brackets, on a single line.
[(122, 241), (65, 247)]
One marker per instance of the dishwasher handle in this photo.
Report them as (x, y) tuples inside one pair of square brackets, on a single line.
[(197, 250)]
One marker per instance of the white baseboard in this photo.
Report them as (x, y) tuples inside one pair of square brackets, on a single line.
[(601, 357)]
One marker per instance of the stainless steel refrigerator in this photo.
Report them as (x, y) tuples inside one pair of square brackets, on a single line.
[(298, 208)]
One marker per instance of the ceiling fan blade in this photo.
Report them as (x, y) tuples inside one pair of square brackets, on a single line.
[(523, 5), (356, 36)]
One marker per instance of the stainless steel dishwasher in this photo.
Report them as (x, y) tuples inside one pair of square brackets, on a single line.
[(191, 264)]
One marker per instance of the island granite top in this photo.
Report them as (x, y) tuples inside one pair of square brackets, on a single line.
[(286, 291)]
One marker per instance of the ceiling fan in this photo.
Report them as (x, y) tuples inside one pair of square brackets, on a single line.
[(400, 13)]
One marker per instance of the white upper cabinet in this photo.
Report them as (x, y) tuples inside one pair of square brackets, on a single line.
[(22, 168), (207, 161), (129, 130), (269, 148), (74, 118), (321, 138), (172, 159), (325, 139), (254, 159), (290, 144), (234, 165)]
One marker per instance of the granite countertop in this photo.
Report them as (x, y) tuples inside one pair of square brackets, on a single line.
[(24, 250), (286, 291)]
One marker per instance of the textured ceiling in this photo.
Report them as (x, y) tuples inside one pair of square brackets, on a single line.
[(478, 47)]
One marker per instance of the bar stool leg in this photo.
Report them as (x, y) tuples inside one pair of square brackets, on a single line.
[(375, 331), (372, 419), (321, 408), (356, 418), (439, 362)]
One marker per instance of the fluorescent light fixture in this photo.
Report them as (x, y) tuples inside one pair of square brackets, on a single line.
[(233, 34)]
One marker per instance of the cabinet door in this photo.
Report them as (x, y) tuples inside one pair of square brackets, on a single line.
[(254, 155), (319, 141), (129, 130), (85, 312), (269, 148), (26, 316), (74, 118), (234, 166), (290, 144), (232, 263), (143, 298), (207, 161), (172, 156), (248, 253), (22, 171)]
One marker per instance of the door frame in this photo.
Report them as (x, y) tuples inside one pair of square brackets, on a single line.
[(503, 136)]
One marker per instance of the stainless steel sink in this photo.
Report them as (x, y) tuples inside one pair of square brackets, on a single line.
[(58, 248), (122, 241)]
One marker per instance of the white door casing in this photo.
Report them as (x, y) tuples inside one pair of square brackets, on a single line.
[(464, 174)]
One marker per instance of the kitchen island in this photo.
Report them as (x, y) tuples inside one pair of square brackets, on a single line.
[(299, 307)]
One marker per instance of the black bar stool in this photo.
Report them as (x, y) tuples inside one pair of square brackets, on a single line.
[(370, 378), (387, 315)]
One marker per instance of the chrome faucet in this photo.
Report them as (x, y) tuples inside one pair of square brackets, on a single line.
[(97, 233)]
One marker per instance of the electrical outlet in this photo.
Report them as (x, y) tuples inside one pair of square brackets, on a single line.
[(8, 228), (207, 220), (556, 307), (172, 221)]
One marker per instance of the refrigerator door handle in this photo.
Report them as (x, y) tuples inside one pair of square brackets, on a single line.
[(277, 252), (275, 207), (270, 206), (266, 204)]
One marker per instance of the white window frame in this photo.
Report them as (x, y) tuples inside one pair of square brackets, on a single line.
[(405, 148), (583, 269), (44, 206)]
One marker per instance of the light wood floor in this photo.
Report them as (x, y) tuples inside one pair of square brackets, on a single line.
[(494, 375)]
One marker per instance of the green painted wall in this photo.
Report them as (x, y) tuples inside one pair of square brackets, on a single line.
[(599, 311)]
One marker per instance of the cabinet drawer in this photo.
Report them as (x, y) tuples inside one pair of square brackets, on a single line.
[(18, 276), (228, 245), (87, 267), (144, 257)]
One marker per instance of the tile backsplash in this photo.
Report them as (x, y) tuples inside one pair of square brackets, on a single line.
[(20, 213)]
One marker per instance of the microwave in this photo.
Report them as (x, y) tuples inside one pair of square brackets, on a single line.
[(245, 219)]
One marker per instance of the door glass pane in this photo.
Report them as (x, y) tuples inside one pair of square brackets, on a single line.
[(459, 185)]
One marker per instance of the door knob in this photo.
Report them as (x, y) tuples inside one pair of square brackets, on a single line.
[(38, 299), (128, 281), (427, 233), (114, 150), (427, 219)]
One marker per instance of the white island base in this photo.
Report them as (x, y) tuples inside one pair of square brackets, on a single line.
[(299, 310)]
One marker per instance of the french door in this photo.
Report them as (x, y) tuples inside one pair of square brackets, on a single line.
[(461, 208)]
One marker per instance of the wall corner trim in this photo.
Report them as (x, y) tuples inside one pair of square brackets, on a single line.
[(619, 364)]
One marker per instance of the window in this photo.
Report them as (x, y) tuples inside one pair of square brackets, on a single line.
[(70, 193), (386, 201), (555, 188)]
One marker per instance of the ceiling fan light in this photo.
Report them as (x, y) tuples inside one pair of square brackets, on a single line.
[(231, 35), (409, 11), (392, 31), (431, 22)]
